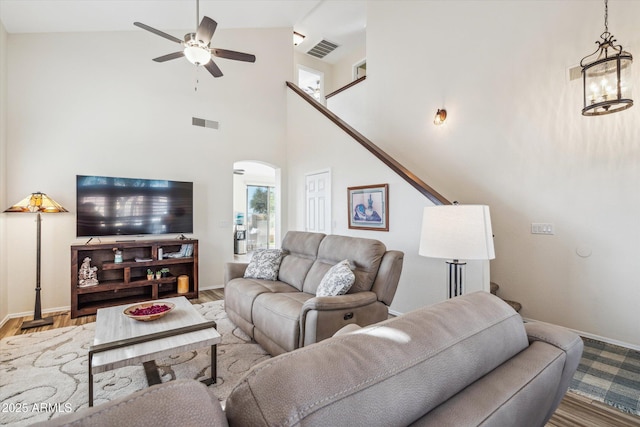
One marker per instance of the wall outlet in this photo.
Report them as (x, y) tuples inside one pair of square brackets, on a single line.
[(542, 228)]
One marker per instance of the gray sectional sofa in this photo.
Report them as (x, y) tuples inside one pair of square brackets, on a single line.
[(285, 314), (468, 361)]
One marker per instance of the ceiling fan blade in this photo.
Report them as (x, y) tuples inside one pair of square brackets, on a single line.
[(213, 69), (169, 56), (230, 54), (206, 29), (157, 32)]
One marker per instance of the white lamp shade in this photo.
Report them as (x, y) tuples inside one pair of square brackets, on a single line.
[(197, 55), (457, 232)]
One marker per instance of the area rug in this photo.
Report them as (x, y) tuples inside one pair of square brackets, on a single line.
[(609, 374), (44, 374)]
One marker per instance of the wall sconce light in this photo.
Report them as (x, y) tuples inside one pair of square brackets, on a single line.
[(606, 76), (440, 117), (297, 38)]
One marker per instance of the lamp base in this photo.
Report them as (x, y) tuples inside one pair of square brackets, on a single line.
[(37, 322), (456, 279)]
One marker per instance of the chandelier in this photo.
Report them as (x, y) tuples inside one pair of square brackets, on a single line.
[(606, 75)]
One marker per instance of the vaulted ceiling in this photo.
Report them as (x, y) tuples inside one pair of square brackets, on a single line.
[(341, 22)]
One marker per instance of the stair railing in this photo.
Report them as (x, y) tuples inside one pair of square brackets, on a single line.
[(393, 164)]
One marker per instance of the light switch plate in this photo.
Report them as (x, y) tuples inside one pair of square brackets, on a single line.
[(542, 228)]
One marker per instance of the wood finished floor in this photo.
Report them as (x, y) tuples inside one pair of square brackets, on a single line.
[(574, 410)]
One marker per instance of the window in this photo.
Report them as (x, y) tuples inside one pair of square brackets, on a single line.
[(261, 217)]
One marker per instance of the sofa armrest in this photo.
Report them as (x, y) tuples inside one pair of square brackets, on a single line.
[(567, 341), (339, 302), (234, 270), (321, 317), (179, 402), (386, 282), (351, 327)]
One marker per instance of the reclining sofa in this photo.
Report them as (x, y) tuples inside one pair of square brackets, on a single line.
[(285, 314), (468, 361)]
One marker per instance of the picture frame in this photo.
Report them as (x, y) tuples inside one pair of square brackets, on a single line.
[(368, 207)]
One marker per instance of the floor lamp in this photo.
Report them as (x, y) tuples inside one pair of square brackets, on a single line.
[(457, 232), (37, 203)]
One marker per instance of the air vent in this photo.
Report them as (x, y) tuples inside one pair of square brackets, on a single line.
[(212, 124), (322, 49)]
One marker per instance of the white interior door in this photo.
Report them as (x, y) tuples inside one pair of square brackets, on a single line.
[(318, 202)]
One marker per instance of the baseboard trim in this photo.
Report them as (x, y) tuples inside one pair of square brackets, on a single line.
[(594, 336), (208, 288)]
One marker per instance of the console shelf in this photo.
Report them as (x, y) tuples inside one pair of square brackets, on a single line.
[(126, 282)]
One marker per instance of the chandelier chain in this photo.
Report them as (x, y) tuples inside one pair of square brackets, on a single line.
[(606, 16)]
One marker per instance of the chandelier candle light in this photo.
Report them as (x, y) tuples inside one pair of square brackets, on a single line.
[(37, 203), (457, 232), (606, 75)]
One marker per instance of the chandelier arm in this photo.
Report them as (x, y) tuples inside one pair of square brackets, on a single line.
[(589, 55)]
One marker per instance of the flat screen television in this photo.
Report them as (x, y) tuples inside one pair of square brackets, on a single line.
[(110, 206)]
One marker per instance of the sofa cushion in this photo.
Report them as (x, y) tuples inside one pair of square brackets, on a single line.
[(467, 338), (503, 396), (175, 403), (264, 264), (302, 250), (365, 254), (337, 281), (240, 294), (279, 313)]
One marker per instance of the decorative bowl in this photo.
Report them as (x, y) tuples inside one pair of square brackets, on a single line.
[(148, 311)]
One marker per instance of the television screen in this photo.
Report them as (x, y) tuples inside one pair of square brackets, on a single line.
[(109, 206)]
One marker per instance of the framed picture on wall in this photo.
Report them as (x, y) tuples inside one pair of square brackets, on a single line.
[(369, 207)]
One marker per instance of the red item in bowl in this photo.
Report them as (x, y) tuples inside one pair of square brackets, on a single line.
[(146, 311)]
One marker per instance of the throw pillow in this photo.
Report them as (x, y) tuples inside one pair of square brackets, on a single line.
[(337, 281), (264, 264)]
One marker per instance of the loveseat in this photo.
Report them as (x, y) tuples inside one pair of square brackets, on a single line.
[(468, 361), (282, 312)]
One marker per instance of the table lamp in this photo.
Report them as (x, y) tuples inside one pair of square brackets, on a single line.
[(456, 232), (37, 203)]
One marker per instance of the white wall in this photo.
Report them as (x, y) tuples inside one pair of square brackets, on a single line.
[(515, 140), (351, 106), (315, 64), (4, 306), (423, 280), (343, 70), (102, 106)]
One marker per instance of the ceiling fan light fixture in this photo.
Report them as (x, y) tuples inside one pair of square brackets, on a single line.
[(196, 47), (197, 55)]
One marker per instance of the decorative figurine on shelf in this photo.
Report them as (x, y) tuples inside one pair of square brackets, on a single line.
[(87, 276), (117, 255)]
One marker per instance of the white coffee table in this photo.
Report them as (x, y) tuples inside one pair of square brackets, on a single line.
[(121, 341)]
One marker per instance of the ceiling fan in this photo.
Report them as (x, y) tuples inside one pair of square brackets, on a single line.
[(314, 91), (197, 47)]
